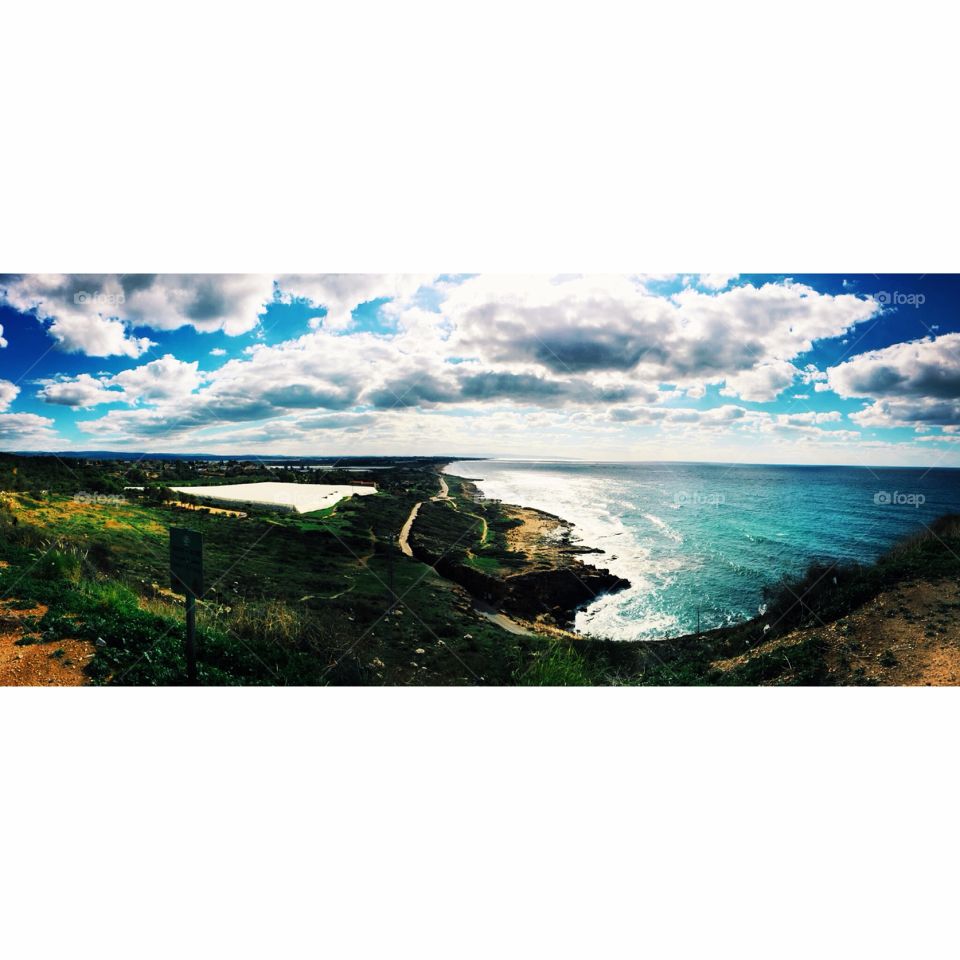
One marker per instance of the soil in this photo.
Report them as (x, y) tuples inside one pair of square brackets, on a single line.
[(542, 537), (404, 540), (38, 664)]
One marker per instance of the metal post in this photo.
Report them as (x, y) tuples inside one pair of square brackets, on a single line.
[(393, 591), (191, 638)]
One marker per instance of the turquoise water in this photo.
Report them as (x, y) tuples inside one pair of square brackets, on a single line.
[(713, 535)]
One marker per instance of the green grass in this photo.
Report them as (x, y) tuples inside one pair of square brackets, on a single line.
[(558, 665), (305, 600)]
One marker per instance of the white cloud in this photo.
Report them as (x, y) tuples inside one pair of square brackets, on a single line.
[(911, 384), (25, 431), (159, 380), (920, 368), (3, 342), (81, 320), (97, 314), (342, 293), (808, 418), (80, 391), (8, 393), (510, 346), (717, 281), (590, 324), (763, 383), (165, 379), (218, 352)]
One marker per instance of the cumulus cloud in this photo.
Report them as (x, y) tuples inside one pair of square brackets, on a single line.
[(591, 324), (726, 414), (98, 314), (807, 419), (80, 391), (159, 380), (911, 384), (764, 382), (165, 379), (3, 342), (576, 344), (25, 431), (8, 393), (717, 281), (919, 413), (82, 312), (922, 368), (342, 293)]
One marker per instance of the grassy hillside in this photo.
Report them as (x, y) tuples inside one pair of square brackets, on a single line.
[(315, 598)]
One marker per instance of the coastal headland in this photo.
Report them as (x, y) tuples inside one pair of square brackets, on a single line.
[(516, 559)]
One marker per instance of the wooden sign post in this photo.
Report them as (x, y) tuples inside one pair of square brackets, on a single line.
[(186, 577)]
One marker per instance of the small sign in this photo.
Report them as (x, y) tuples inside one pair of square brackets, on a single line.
[(186, 561)]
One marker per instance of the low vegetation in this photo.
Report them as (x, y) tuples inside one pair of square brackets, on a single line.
[(298, 599)]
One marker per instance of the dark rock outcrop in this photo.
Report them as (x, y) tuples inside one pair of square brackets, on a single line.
[(556, 594)]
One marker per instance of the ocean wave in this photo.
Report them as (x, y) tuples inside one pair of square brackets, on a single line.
[(664, 527)]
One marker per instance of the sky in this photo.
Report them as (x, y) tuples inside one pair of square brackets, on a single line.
[(792, 368)]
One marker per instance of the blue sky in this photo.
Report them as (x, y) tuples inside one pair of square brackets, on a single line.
[(764, 368)]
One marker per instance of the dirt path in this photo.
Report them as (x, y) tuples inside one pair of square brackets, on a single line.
[(486, 529), (404, 541), (501, 620), (57, 664)]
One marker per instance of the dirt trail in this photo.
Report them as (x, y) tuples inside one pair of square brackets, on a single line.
[(57, 664), (501, 620), (404, 541)]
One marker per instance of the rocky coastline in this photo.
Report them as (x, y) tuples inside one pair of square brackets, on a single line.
[(546, 582)]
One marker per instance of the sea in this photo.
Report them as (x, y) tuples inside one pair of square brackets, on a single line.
[(712, 536)]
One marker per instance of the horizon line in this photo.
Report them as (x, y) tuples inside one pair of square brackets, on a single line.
[(144, 454)]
